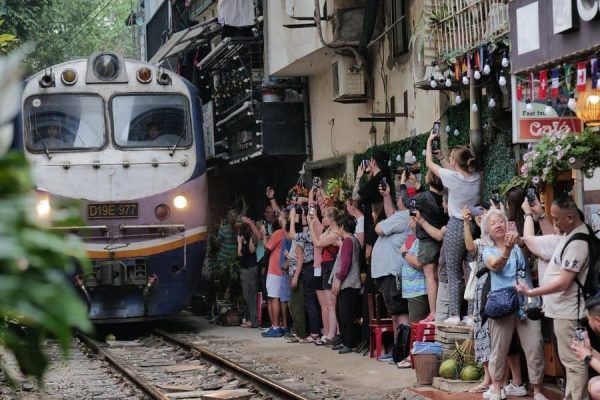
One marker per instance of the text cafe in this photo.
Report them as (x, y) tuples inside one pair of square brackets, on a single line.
[(555, 52)]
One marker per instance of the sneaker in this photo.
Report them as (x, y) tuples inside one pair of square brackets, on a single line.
[(455, 320), (514, 390), (429, 319), (268, 331), (468, 320), (273, 333), (385, 357), (488, 394)]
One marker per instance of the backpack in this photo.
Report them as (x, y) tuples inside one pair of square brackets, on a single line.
[(592, 280)]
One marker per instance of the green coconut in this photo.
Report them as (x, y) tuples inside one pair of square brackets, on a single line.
[(448, 369), (470, 373)]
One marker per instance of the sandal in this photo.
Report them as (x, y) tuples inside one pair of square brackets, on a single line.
[(293, 339), (404, 364), (323, 341), (482, 387), (429, 319), (309, 339), (246, 324)]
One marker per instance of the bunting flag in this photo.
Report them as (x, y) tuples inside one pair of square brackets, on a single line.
[(594, 70), (581, 76), (531, 86), (457, 69), (481, 58), (519, 91), (568, 77), (543, 86), (477, 63), (469, 65), (554, 75)]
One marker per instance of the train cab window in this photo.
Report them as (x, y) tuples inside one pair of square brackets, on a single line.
[(142, 121), (64, 122)]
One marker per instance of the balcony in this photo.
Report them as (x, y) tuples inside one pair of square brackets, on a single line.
[(459, 26), (197, 7)]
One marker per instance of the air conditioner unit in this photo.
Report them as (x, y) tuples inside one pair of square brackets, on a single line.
[(348, 82)]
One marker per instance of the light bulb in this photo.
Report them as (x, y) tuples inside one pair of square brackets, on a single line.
[(448, 82), (398, 158), (492, 102), (447, 128), (505, 62), (572, 104), (548, 111), (474, 107), (432, 83), (465, 80), (458, 99), (487, 69), (477, 75), (502, 80), (456, 132), (528, 106)]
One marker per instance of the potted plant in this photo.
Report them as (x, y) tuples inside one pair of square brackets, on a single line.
[(228, 284), (558, 152)]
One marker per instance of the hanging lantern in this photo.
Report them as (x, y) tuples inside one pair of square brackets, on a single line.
[(588, 106)]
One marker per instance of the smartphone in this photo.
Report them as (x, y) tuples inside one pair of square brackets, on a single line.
[(316, 182), (412, 207), (531, 196), (435, 144), (496, 198), (311, 210), (436, 127), (365, 165), (511, 226), (476, 211), (579, 334), (383, 183)]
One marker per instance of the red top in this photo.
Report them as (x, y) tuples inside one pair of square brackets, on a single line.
[(330, 253)]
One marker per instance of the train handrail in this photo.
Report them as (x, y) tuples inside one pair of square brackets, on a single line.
[(180, 227), (79, 227), (125, 164)]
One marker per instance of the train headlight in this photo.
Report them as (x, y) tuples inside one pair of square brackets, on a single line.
[(106, 67), (180, 202), (162, 212), (43, 207), (144, 75), (68, 77)]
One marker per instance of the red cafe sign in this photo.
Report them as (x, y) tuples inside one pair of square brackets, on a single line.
[(533, 125)]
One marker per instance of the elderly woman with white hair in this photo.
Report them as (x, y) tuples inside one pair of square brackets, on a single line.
[(507, 266)]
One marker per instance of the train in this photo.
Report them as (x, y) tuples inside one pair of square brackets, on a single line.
[(125, 139)]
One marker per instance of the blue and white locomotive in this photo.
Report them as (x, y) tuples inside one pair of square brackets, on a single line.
[(125, 138)]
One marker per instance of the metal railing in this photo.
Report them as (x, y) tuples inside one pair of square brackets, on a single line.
[(459, 26)]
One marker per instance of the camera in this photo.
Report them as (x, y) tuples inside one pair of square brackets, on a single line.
[(316, 182), (383, 184), (412, 207), (496, 198), (531, 196)]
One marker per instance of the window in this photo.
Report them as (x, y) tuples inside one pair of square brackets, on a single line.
[(400, 30), (143, 121), (64, 122)]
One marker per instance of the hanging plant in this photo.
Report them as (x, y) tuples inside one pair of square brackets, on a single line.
[(558, 152), (336, 192)]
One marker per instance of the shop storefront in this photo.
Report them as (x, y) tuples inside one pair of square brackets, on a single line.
[(556, 94)]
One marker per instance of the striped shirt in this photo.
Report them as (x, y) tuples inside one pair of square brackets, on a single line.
[(413, 280), (228, 243)]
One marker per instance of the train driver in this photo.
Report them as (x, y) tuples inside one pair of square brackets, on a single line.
[(51, 136), (152, 131)]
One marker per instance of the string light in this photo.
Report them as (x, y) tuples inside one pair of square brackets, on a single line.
[(492, 102), (528, 106), (448, 82), (502, 79), (447, 128), (548, 111), (465, 80), (487, 69), (458, 99), (474, 107), (572, 104), (456, 132), (477, 75), (432, 82), (505, 61)]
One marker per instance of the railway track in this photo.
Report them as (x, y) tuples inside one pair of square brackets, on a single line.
[(165, 366)]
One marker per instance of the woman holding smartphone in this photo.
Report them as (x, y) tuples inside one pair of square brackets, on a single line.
[(463, 183)]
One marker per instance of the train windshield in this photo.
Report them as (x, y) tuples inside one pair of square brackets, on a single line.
[(64, 122), (142, 121)]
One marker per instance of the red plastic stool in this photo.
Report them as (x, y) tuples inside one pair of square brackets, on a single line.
[(421, 332), (376, 338)]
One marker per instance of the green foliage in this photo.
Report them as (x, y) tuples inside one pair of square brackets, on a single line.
[(6, 40), (498, 166), (64, 29), (36, 298), (227, 275), (558, 152)]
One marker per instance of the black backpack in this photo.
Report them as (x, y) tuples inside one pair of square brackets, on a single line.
[(592, 281)]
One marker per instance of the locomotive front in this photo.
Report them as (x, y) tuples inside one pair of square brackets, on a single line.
[(125, 138)]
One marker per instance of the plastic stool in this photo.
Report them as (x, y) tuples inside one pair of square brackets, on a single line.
[(421, 332), (376, 337)]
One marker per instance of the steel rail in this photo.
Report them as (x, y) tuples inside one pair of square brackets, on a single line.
[(125, 368), (263, 381)]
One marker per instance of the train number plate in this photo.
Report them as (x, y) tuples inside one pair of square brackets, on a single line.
[(112, 210)]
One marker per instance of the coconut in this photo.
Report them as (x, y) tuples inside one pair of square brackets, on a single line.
[(469, 373), (448, 369)]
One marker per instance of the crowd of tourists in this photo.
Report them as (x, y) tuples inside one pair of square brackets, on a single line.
[(426, 251)]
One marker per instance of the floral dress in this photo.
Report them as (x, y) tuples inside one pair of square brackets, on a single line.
[(481, 332)]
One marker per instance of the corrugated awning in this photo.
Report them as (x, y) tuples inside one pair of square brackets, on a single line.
[(186, 39)]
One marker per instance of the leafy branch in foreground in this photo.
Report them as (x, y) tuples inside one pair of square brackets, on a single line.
[(37, 299)]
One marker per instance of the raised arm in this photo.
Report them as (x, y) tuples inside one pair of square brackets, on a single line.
[(437, 234), (469, 244), (256, 233), (431, 165), (271, 196), (388, 204)]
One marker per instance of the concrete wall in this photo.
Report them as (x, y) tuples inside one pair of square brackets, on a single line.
[(335, 127)]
